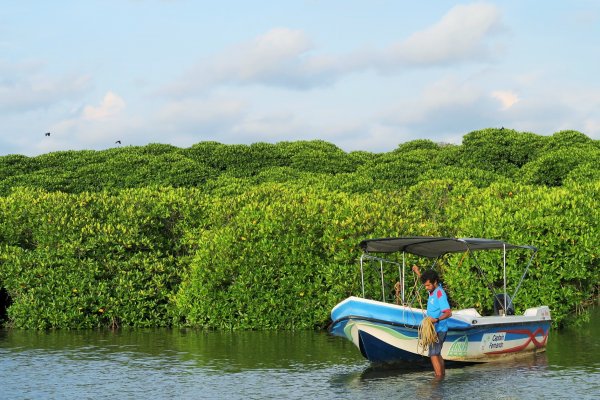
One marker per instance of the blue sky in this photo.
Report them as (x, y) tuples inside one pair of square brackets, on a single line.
[(365, 75)]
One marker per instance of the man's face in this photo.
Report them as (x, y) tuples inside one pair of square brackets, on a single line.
[(430, 286)]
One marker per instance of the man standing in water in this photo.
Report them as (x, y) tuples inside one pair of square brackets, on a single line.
[(438, 310)]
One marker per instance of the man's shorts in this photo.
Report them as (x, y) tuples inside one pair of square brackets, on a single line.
[(435, 349)]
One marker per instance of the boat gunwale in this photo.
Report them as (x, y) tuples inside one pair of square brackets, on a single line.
[(416, 327), (472, 320)]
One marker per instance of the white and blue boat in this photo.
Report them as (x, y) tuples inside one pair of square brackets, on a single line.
[(386, 331)]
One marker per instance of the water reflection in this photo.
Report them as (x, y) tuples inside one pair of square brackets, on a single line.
[(221, 351), (507, 379), (196, 364)]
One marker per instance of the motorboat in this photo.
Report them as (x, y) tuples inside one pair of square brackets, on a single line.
[(385, 330)]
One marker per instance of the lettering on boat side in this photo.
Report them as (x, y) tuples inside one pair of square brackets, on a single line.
[(459, 347), (493, 341)]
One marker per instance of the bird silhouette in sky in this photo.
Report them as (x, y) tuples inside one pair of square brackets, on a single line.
[(118, 142), (47, 134)]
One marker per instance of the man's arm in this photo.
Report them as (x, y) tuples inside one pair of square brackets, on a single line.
[(444, 315)]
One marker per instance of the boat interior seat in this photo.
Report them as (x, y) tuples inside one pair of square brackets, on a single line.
[(467, 311), (542, 311)]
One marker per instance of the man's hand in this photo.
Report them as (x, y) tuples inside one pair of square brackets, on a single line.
[(416, 270)]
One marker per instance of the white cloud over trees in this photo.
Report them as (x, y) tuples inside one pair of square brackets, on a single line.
[(288, 58), (438, 76)]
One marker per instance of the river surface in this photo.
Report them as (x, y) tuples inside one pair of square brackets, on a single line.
[(190, 364)]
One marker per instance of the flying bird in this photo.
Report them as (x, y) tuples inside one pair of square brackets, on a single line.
[(47, 134), (118, 142)]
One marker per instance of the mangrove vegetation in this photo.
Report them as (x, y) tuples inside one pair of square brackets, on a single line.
[(265, 236)]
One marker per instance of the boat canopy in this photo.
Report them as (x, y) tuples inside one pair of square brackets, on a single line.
[(431, 246)]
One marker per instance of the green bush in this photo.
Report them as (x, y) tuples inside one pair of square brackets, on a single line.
[(265, 236), (561, 223), (502, 151), (552, 168), (78, 261), (566, 139)]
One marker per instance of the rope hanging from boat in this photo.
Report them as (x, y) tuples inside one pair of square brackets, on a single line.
[(463, 258), (397, 288)]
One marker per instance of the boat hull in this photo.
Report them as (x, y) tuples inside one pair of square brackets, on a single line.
[(387, 333)]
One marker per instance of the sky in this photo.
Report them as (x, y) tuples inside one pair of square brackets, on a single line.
[(364, 75)]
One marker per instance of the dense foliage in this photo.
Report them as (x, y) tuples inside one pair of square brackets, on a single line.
[(265, 236)]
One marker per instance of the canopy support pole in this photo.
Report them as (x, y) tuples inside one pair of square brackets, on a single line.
[(504, 272), (382, 284), (403, 276), (362, 276)]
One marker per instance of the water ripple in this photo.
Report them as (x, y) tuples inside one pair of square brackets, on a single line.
[(198, 365)]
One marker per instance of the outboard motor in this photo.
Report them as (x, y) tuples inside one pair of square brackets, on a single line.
[(499, 305)]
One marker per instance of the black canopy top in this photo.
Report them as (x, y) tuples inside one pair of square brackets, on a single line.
[(430, 246)]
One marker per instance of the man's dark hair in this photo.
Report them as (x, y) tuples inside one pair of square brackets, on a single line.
[(430, 275)]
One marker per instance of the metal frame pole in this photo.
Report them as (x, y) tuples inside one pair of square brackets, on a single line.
[(382, 284), (504, 262), (362, 276)]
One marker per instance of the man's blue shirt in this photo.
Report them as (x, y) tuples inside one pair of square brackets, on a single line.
[(438, 302)]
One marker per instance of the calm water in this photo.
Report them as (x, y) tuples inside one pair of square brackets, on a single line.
[(191, 364)]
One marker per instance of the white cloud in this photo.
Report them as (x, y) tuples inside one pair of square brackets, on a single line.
[(370, 136), (18, 69), (506, 98), (192, 114), (449, 108), (592, 127), (229, 97), (267, 54), (444, 110), (30, 89), (461, 35), (274, 124), (278, 58), (92, 127), (551, 108), (434, 101), (287, 58), (112, 104)]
